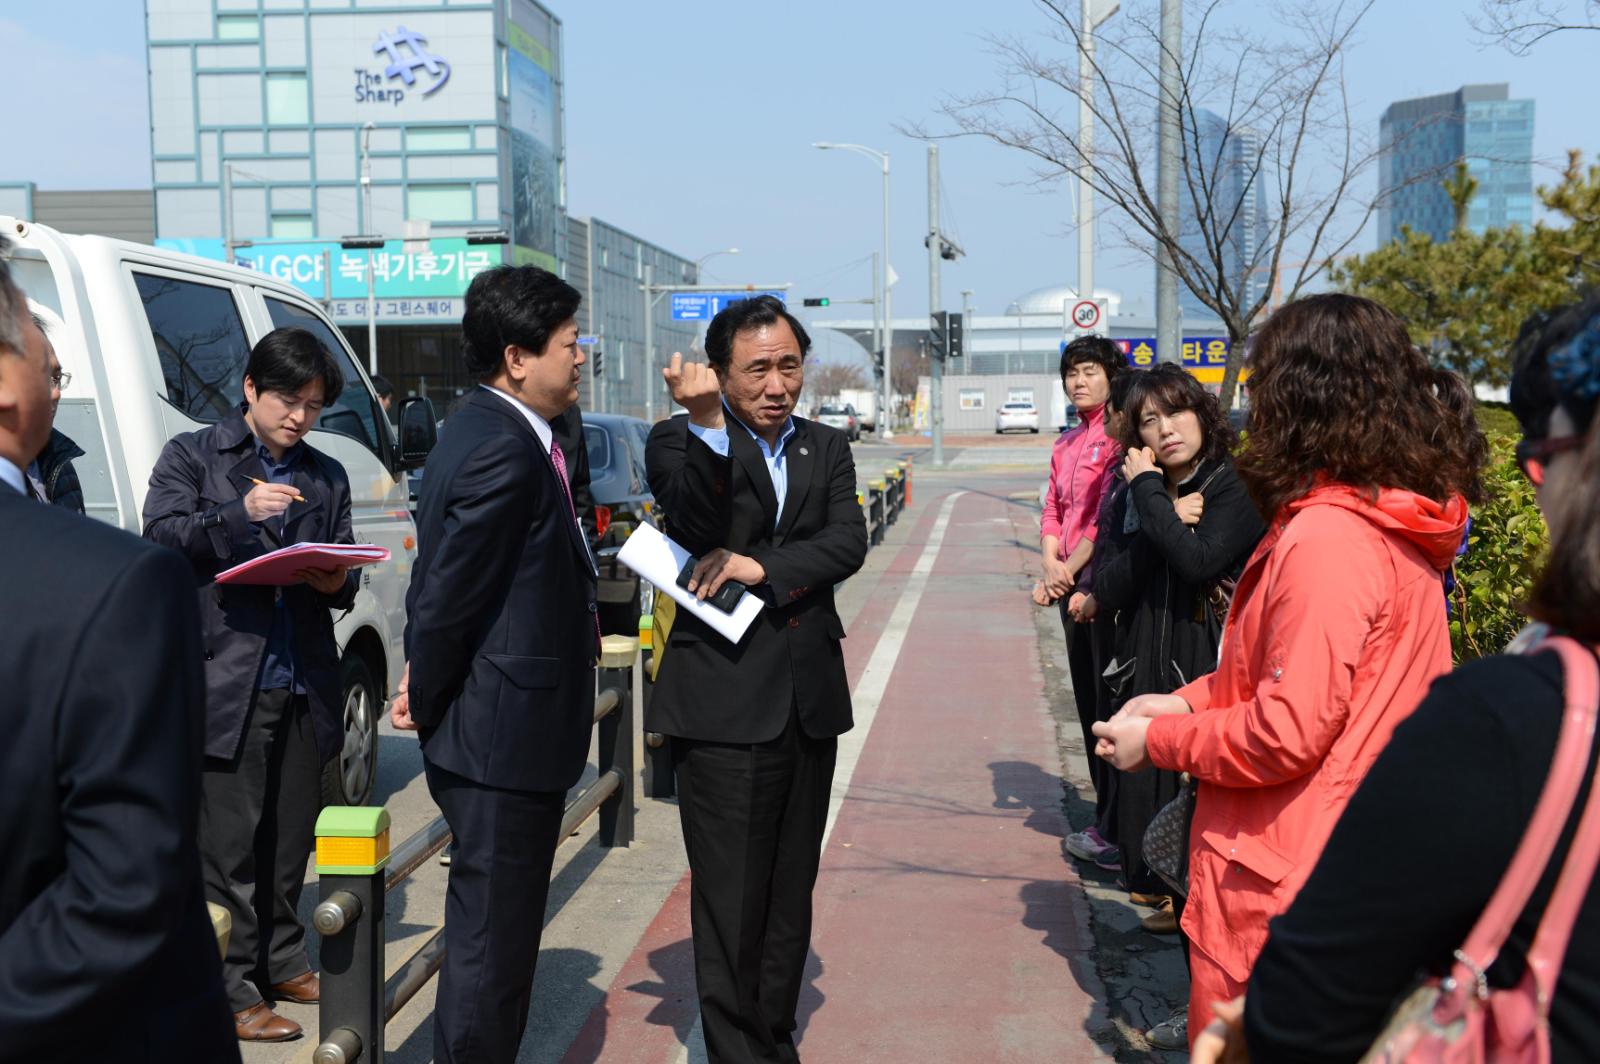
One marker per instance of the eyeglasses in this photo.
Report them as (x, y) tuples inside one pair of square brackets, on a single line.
[(61, 379), (1534, 455)]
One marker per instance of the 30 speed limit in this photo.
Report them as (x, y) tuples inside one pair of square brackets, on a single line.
[(1085, 314)]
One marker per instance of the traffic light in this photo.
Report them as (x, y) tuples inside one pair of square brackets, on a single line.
[(818, 301), (877, 363), (954, 343), (597, 361), (936, 335)]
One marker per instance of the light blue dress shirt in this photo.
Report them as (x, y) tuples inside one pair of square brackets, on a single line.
[(10, 474), (774, 457)]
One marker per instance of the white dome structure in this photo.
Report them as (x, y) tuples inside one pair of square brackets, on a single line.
[(1058, 299)]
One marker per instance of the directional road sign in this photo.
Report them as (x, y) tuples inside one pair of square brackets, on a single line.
[(703, 306)]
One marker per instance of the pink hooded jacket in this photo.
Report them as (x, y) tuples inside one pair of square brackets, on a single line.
[(1337, 629)]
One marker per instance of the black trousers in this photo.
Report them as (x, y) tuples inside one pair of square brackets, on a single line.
[(1084, 649), (258, 814), (504, 844), (753, 817)]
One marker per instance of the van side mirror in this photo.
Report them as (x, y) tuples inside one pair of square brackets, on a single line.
[(419, 431)]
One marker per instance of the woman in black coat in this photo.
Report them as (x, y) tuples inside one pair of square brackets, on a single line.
[(1193, 527)]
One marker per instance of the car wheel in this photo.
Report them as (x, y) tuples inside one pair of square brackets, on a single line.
[(1034, 431), (348, 778)]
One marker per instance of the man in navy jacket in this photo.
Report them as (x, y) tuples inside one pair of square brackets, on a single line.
[(221, 496), (501, 638)]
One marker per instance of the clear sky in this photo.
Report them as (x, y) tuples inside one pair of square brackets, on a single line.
[(690, 124)]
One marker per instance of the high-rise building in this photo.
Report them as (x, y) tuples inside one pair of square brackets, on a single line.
[(1223, 173), (1421, 141)]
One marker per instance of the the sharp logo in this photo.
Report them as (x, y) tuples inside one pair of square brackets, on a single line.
[(407, 52)]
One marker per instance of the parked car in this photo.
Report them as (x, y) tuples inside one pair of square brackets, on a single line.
[(841, 416), (1017, 415), (156, 343), (622, 502)]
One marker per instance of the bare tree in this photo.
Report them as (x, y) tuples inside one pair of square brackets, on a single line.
[(824, 380), (907, 367), (1521, 24), (1275, 79)]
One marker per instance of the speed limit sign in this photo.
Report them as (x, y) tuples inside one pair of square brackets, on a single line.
[(1085, 314)]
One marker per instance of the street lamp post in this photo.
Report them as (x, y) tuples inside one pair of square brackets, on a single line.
[(699, 263), (367, 227), (885, 394)]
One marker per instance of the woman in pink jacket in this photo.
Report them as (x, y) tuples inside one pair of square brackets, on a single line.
[(1362, 459)]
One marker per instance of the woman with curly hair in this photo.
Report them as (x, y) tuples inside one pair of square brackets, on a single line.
[(1363, 459)]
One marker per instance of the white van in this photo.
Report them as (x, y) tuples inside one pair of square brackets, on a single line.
[(156, 343)]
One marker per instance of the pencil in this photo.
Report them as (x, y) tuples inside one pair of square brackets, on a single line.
[(253, 480)]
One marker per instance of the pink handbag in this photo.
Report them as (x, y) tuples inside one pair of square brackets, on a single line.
[(1459, 1019)]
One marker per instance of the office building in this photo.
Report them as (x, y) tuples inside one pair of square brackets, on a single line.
[(1421, 141), (1224, 173)]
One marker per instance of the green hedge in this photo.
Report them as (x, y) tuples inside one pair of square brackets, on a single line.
[(1504, 551)]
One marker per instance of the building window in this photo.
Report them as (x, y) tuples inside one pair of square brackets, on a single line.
[(287, 101), (291, 226), (440, 203), (972, 398), (439, 138), (238, 28)]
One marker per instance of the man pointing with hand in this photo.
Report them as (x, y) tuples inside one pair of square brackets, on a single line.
[(767, 499)]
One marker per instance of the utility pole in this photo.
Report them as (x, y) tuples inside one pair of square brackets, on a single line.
[(228, 244), (1169, 321), (935, 304), (1094, 12), (877, 335), (650, 342), (367, 226), (886, 427)]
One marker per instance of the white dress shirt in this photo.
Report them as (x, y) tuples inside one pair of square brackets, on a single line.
[(541, 427)]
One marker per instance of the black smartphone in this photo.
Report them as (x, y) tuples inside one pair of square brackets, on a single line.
[(727, 596)]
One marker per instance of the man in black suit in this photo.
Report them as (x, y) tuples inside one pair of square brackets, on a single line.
[(231, 492), (106, 951), (501, 641), (768, 499)]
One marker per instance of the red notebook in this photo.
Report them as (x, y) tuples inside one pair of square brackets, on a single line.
[(278, 569)]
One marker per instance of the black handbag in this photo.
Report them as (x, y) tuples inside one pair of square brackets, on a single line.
[(1166, 840)]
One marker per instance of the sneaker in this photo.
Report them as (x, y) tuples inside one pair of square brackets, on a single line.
[(1172, 1032), (1086, 845), (1110, 859), (1164, 921)]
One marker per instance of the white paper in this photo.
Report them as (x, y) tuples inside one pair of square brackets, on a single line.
[(659, 560)]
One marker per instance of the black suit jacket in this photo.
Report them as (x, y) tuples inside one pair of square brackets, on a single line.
[(200, 480), (708, 688), (500, 626), (106, 951)]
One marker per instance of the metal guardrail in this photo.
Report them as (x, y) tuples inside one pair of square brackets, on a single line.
[(355, 871)]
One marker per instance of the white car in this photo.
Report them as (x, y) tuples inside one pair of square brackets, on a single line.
[(1016, 416), (841, 416), (155, 342)]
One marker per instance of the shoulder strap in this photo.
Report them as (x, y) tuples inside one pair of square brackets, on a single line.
[(1582, 685), (1567, 770)]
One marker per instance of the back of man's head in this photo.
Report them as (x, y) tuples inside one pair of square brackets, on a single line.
[(513, 306)]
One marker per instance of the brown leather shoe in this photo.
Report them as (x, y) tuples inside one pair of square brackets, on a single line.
[(1149, 901), (303, 989), (259, 1023), (1164, 921)]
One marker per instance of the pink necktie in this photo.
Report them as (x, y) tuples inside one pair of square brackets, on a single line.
[(560, 461)]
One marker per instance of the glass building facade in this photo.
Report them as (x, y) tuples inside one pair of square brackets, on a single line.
[(1226, 161), (1421, 141)]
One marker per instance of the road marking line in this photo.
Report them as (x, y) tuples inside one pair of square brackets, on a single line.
[(865, 699)]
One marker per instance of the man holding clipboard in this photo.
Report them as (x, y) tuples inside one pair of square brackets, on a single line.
[(234, 491), (767, 499)]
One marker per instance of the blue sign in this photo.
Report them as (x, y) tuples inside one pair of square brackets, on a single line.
[(703, 306), (588, 341)]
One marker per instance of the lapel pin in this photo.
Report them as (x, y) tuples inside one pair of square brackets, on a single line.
[(804, 451)]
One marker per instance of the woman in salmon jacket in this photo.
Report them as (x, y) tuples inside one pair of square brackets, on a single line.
[(1362, 459)]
